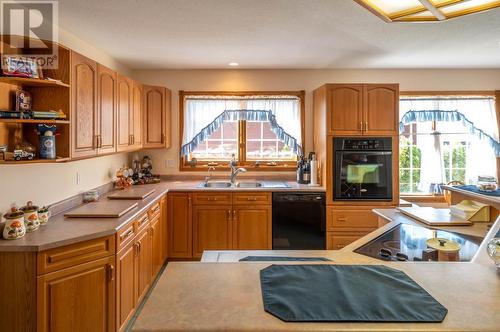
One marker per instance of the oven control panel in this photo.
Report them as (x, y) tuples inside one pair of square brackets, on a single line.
[(374, 144)]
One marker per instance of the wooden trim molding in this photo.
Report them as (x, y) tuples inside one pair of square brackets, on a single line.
[(484, 93), (222, 165), (497, 111)]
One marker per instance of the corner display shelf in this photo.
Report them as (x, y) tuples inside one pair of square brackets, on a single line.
[(32, 82), (33, 161), (35, 121), (46, 94)]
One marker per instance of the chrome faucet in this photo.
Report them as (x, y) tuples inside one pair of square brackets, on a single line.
[(234, 170), (209, 176)]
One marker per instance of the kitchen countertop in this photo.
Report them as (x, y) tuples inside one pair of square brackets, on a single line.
[(61, 231), (219, 294)]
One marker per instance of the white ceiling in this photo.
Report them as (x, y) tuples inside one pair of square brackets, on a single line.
[(182, 34)]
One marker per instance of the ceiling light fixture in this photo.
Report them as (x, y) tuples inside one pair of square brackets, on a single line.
[(234, 64), (425, 10)]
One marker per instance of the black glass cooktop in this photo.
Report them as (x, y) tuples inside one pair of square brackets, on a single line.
[(408, 243)]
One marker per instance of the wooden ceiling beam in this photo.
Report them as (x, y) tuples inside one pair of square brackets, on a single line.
[(421, 9), (433, 9)]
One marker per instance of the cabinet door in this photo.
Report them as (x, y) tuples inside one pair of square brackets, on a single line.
[(381, 109), (79, 298), (180, 225), (252, 227), (156, 246), (124, 90), (345, 109), (107, 110), (211, 228), (164, 221), (137, 118), (154, 116), (126, 284), (83, 106), (143, 263)]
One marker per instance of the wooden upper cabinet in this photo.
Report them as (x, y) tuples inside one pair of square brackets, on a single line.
[(124, 114), (79, 298), (362, 109), (137, 115), (345, 109), (252, 227), (156, 117), (106, 124), (381, 109), (84, 110), (212, 228)]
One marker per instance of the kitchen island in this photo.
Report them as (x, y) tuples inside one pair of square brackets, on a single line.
[(221, 294)]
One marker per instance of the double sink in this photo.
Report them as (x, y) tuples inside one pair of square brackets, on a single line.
[(244, 184)]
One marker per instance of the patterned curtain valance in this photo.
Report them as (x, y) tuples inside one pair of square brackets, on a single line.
[(249, 115), (449, 116)]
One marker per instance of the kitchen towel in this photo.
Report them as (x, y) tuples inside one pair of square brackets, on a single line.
[(474, 189), (346, 293), (282, 259)]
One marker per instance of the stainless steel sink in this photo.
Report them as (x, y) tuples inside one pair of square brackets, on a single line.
[(248, 184), (215, 184)]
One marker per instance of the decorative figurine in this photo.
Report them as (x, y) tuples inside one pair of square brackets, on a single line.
[(123, 179)]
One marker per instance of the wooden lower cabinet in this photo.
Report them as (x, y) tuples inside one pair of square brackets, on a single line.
[(126, 285), (157, 238), (180, 242), (79, 298), (338, 240), (164, 222), (252, 227), (212, 228), (143, 263)]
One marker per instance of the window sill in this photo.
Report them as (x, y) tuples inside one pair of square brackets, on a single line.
[(249, 168)]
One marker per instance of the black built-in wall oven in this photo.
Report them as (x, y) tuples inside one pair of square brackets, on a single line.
[(362, 168)]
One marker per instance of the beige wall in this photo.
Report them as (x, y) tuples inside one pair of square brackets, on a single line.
[(261, 80), (50, 183)]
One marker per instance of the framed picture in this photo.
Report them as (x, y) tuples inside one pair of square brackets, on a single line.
[(23, 101), (20, 67)]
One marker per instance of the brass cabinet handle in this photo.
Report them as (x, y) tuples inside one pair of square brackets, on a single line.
[(235, 218), (366, 126), (133, 139), (100, 141), (342, 219), (136, 249), (126, 235), (163, 138), (361, 125), (251, 198), (211, 198), (229, 214), (111, 272)]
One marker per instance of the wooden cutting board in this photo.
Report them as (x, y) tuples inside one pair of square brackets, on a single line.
[(132, 193), (434, 217), (102, 209)]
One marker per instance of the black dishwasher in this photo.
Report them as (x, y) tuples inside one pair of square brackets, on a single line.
[(299, 221)]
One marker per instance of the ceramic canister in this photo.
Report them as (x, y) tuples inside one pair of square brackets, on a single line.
[(30, 217), (43, 215), (14, 225)]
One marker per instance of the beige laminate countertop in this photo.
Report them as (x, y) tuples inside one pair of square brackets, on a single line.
[(221, 294), (61, 231)]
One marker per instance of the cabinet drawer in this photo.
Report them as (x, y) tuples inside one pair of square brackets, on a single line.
[(67, 256), (212, 198), (350, 219), (154, 210), (252, 198), (142, 222), (125, 235), (336, 241)]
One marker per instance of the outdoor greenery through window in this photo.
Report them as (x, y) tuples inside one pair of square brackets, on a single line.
[(255, 128), (443, 149)]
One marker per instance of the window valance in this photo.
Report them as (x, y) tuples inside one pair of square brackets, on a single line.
[(204, 115)]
